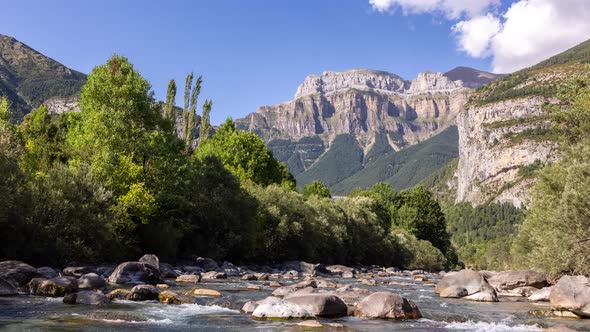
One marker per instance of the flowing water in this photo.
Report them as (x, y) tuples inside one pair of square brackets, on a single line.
[(32, 313)]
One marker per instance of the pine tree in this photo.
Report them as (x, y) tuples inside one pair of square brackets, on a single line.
[(170, 97)]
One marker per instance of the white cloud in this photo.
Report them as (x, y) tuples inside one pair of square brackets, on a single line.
[(534, 30), (475, 35), (452, 9), (527, 33)]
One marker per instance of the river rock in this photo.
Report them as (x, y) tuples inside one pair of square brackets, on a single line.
[(86, 297), (167, 271), (387, 305), (323, 283), (249, 307), (454, 292), (283, 291), (507, 280), (55, 287), (190, 278), (144, 293), (229, 269), (275, 308), (170, 297), (573, 294), (524, 291), (470, 280), (193, 269), (206, 264), (290, 274), (314, 324), (91, 281), (78, 271), (249, 277), (134, 273), (213, 275), (151, 259), (119, 294), (6, 288), (321, 305), (203, 292), (17, 273), (105, 271), (540, 295), (47, 272)]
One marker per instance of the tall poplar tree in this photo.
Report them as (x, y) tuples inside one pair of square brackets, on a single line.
[(187, 90), (170, 97), (205, 122)]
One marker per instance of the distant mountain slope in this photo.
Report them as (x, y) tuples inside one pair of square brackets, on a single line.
[(505, 130), (343, 123), (407, 167), (29, 78)]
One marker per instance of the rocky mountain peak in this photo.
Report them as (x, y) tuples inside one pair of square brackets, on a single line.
[(429, 81), (330, 82), (360, 79)]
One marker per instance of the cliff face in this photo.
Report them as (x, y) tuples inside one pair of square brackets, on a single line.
[(380, 110), (505, 134), (498, 143)]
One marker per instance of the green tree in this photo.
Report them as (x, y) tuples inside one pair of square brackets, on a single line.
[(10, 142), (190, 108), (205, 127), (555, 235), (316, 188), (169, 111), (245, 155), (422, 216)]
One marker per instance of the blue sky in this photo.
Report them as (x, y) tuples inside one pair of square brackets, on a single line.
[(250, 52)]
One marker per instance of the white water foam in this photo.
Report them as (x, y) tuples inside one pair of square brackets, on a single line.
[(491, 327), (184, 311)]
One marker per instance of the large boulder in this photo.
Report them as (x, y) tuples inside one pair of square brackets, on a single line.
[(206, 264), (151, 259), (105, 271), (6, 288), (452, 283), (541, 295), (572, 294), (229, 269), (144, 293), (17, 273), (91, 281), (275, 308), (55, 287), (386, 305), (135, 273), (47, 272), (321, 305), (508, 280), (167, 271), (78, 271), (87, 298), (454, 291)]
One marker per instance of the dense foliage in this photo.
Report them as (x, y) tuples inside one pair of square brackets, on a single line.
[(555, 235), (119, 179), (483, 234)]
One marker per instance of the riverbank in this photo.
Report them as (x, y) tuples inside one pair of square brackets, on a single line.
[(204, 296)]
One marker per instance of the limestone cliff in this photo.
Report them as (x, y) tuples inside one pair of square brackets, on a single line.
[(505, 133), (497, 142), (362, 103)]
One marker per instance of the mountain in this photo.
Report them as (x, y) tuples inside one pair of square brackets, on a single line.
[(29, 78), (349, 128), (505, 133)]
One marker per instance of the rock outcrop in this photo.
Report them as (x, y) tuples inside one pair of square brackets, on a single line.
[(496, 143), (572, 293)]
